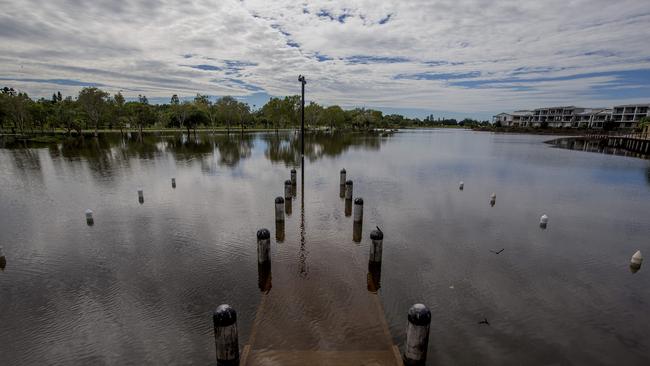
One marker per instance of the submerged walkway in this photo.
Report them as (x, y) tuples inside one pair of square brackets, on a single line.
[(321, 309), (302, 323)]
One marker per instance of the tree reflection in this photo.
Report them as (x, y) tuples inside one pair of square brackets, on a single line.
[(286, 147)]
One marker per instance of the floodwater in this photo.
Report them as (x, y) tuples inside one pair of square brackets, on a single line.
[(139, 286)]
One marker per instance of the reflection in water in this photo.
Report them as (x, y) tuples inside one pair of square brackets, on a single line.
[(342, 191), (286, 148), (356, 231), (374, 276), (287, 206), (593, 145), (348, 207), (3, 260), (303, 253), (279, 231), (264, 276)]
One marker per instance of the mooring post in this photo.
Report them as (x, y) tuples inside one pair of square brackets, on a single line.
[(173, 182), (376, 246), (263, 246), (417, 335), (287, 189), (342, 181), (348, 190), (493, 199), (358, 209), (279, 209), (226, 339), (461, 185), (140, 195), (89, 217), (294, 180)]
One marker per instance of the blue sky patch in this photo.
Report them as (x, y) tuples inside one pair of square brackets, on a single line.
[(437, 76), (375, 59)]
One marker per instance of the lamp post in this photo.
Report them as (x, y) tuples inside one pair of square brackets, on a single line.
[(302, 80)]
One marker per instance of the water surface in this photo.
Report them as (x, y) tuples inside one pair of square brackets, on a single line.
[(138, 286)]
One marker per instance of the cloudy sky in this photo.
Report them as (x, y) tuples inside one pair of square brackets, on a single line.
[(447, 57)]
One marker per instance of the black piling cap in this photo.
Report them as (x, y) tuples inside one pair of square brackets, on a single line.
[(376, 235), (224, 315), (279, 200), (419, 314), (358, 201), (343, 170), (287, 182), (348, 183), (263, 234), (293, 171)]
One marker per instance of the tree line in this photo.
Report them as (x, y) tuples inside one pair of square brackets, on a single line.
[(95, 109)]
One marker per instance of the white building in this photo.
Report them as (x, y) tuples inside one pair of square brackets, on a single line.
[(623, 116)]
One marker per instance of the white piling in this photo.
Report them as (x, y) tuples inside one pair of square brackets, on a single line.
[(358, 209), (226, 338), (417, 335), (543, 221), (89, 217), (635, 262), (279, 209)]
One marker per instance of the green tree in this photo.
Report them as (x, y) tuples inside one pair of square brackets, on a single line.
[(94, 103)]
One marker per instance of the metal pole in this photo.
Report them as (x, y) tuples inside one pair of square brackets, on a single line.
[(302, 80)]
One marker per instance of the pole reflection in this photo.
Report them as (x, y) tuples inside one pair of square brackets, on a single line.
[(279, 231), (356, 231), (374, 276), (303, 252), (264, 277)]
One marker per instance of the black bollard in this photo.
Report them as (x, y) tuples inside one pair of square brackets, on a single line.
[(342, 181), (226, 339), (417, 335), (287, 189), (287, 206), (279, 209), (376, 246), (263, 246), (348, 190), (173, 182), (358, 210), (140, 196), (293, 177)]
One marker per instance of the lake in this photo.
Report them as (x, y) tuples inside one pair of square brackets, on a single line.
[(139, 286)]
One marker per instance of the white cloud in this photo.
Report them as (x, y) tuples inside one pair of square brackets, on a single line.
[(142, 47)]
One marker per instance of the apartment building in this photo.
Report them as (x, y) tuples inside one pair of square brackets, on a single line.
[(623, 117)]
